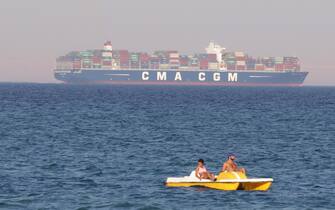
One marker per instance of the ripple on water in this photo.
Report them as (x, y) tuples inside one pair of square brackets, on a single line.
[(109, 147)]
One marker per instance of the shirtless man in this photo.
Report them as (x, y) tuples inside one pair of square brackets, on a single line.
[(230, 165), (201, 171)]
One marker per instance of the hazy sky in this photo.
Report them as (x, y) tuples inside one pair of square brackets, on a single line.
[(33, 33)]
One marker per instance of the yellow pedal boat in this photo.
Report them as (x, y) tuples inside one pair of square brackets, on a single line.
[(224, 181)]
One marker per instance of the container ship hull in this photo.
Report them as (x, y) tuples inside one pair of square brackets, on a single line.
[(180, 77)]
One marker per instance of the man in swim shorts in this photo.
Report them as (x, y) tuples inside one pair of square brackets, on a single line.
[(231, 166)]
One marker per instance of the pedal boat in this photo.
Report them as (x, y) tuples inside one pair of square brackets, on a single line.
[(224, 181)]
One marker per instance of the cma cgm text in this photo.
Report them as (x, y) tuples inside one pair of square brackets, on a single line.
[(232, 77)]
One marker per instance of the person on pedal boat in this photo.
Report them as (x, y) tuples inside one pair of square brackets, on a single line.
[(201, 171), (231, 166)]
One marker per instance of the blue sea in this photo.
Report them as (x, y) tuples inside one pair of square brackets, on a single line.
[(112, 147)]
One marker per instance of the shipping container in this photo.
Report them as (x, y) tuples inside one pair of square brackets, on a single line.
[(279, 60), (213, 65), (86, 54), (98, 66), (259, 67), (96, 60), (164, 66), (240, 63), (174, 54), (184, 61), (203, 62), (231, 67), (144, 65), (153, 66), (86, 65), (135, 66), (240, 67), (239, 54), (240, 58), (250, 66), (144, 57), (230, 62), (76, 64), (211, 58), (279, 67), (106, 62), (124, 56)]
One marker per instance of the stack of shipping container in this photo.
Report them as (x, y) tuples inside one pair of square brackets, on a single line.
[(269, 63), (241, 61), (144, 61), (230, 60), (279, 63), (205, 61), (250, 63), (154, 62), (122, 59), (194, 62), (174, 60), (134, 60), (86, 58), (240, 58), (184, 61), (291, 63), (97, 59), (163, 58), (212, 61)]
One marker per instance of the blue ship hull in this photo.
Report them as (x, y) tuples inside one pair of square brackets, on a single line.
[(181, 77)]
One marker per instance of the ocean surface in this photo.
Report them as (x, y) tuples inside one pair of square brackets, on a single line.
[(112, 147)]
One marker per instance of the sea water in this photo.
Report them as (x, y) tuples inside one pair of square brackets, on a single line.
[(112, 147)]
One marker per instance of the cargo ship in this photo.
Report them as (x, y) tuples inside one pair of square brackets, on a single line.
[(216, 66)]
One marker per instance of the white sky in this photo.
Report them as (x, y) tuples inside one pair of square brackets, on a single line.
[(35, 32)]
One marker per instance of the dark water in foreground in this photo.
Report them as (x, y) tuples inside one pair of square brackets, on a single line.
[(108, 147)]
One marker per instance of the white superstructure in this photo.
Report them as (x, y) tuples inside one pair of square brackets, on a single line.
[(216, 49), (108, 48)]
